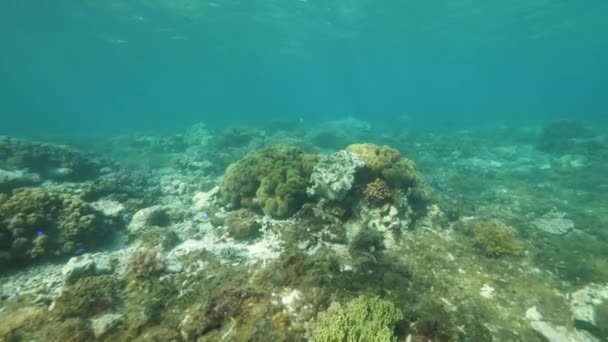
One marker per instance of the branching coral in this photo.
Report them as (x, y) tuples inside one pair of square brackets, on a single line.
[(364, 318)]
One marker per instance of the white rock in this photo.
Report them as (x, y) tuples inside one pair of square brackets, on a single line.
[(77, 267), (104, 323), (290, 300), (487, 291), (532, 314), (584, 301), (559, 333), (109, 208), (553, 223), (87, 265), (202, 199), (334, 175), (104, 264), (14, 179), (148, 217)]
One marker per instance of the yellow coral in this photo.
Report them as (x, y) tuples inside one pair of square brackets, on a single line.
[(376, 158)]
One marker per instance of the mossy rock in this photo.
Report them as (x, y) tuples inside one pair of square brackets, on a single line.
[(69, 330), (495, 238), (37, 224), (273, 179), (242, 224), (89, 296)]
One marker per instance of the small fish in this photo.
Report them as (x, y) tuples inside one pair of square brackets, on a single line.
[(40, 233), (205, 217), (79, 251)]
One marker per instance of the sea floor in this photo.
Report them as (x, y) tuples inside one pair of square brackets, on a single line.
[(142, 241)]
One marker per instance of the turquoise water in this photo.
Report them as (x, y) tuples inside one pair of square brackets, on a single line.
[(118, 66), (303, 170)]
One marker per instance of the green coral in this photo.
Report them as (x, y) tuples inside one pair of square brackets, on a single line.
[(495, 238), (364, 318), (35, 223), (273, 178)]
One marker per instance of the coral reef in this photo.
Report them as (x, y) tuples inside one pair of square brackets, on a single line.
[(273, 179), (48, 160), (364, 318), (35, 224), (334, 175), (203, 263), (377, 192)]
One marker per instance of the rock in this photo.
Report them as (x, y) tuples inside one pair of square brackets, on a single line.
[(556, 333), (105, 323), (242, 224), (487, 292), (585, 304), (334, 175), (87, 265), (104, 264), (109, 208), (202, 199), (172, 265), (553, 223), (78, 267), (559, 333), (14, 179), (155, 216)]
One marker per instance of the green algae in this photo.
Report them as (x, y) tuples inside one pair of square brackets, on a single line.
[(364, 318)]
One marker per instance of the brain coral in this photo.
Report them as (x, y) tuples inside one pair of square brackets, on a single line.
[(273, 178), (35, 223)]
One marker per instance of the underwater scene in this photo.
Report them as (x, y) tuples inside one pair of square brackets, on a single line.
[(304, 170)]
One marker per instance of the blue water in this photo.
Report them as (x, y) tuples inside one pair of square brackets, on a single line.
[(77, 66)]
